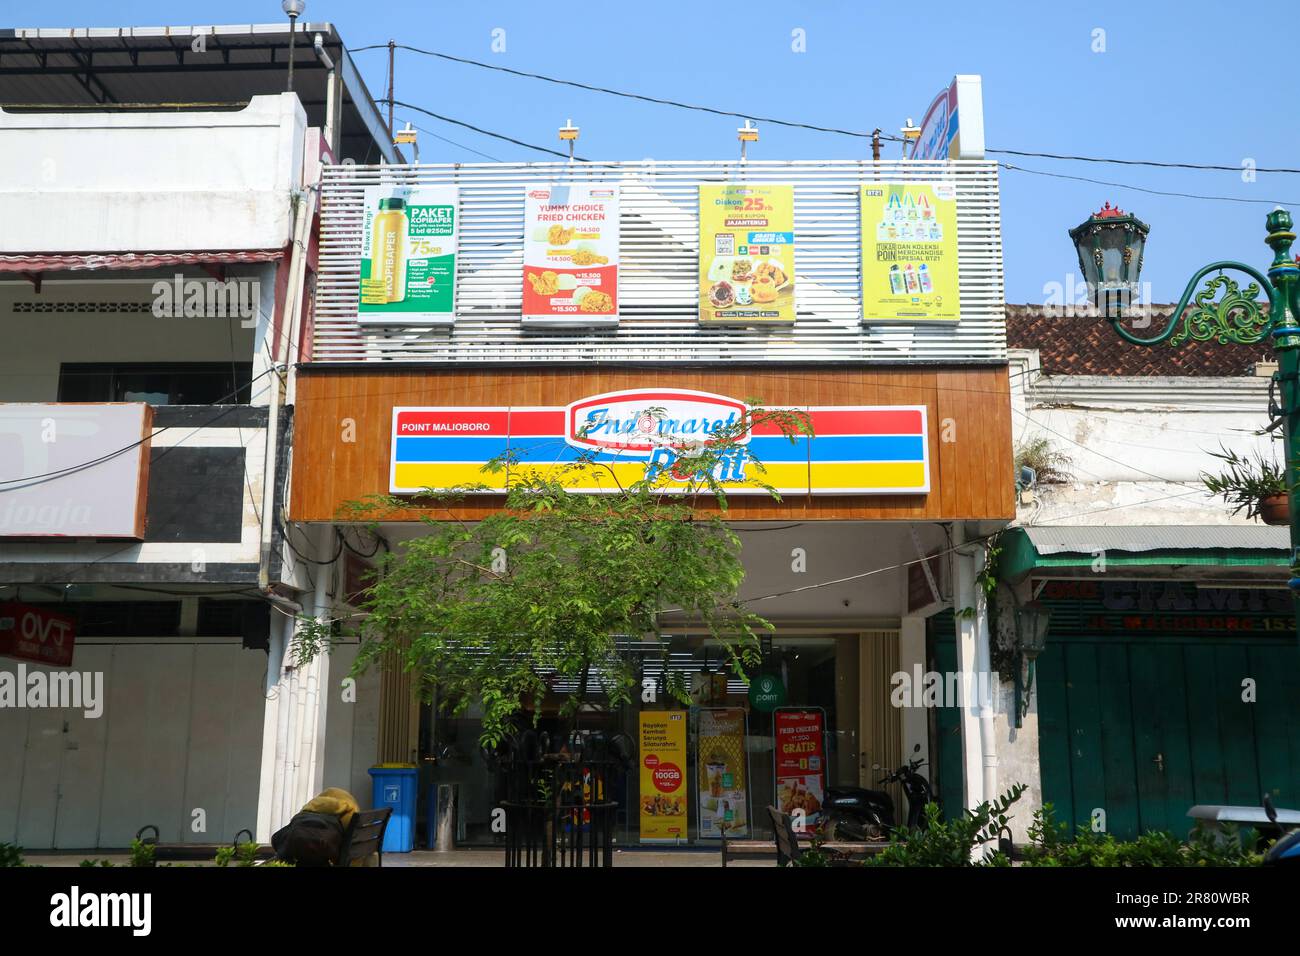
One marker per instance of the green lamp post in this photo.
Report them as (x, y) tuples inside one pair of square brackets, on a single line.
[(1110, 246)]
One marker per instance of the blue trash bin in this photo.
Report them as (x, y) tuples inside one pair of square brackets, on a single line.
[(396, 787)]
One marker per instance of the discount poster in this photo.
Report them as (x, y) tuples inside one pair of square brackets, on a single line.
[(408, 255), (746, 254), (722, 773), (909, 252), (663, 776), (800, 760), (571, 254)]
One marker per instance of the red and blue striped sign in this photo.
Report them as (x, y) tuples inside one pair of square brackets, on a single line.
[(858, 449)]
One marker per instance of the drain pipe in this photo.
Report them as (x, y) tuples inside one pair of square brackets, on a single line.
[(331, 97), (304, 209), (988, 683), (976, 659)]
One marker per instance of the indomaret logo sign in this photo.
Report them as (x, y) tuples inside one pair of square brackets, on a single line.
[(643, 421), (856, 449)]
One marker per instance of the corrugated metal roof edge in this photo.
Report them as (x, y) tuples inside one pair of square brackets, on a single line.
[(1020, 555)]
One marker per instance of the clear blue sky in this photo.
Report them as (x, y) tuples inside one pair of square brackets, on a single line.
[(1181, 82)]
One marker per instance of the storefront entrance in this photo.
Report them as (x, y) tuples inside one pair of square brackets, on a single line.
[(817, 693)]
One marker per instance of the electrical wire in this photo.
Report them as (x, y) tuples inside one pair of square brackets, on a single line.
[(73, 469), (1093, 451), (626, 95), (1143, 162), (1143, 189), (859, 134), (452, 142), (485, 132)]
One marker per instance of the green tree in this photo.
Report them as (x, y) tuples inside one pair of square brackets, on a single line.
[(497, 612)]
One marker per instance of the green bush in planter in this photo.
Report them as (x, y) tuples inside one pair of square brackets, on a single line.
[(11, 855), (951, 842), (1050, 845)]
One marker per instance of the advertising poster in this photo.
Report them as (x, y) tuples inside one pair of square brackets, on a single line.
[(746, 254), (722, 773), (663, 776), (800, 761), (909, 252), (571, 254), (408, 255)]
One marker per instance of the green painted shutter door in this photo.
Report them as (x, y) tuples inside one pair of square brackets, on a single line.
[(1162, 757), (1276, 670), (1054, 733), (1237, 725), (1210, 779), (1116, 740), (1085, 731), (948, 729)]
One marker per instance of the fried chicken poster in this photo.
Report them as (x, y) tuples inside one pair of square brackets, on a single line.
[(571, 255), (800, 761)]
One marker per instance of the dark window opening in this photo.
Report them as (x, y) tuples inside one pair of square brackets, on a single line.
[(170, 383)]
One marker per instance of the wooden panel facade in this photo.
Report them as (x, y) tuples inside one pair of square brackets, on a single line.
[(969, 413)]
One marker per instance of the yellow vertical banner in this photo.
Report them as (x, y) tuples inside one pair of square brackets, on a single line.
[(909, 252), (746, 253), (722, 772), (663, 811)]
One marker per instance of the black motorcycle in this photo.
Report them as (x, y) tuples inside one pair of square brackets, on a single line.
[(1286, 851), (856, 814)]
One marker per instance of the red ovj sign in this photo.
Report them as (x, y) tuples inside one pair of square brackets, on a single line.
[(32, 633)]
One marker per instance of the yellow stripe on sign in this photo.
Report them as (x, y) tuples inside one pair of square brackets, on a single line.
[(791, 476), (416, 476), (868, 475)]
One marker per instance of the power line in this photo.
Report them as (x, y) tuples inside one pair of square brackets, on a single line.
[(626, 95), (73, 469), (452, 142), (1144, 162), (859, 134), (485, 132), (1093, 451), (1142, 189)]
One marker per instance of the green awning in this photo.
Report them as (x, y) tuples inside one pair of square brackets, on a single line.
[(1027, 549)]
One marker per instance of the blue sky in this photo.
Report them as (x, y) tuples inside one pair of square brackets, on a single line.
[(1178, 82)]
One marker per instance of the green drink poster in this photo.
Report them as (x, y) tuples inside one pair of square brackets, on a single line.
[(408, 255)]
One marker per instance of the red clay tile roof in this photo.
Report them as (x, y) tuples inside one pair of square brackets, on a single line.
[(1084, 346)]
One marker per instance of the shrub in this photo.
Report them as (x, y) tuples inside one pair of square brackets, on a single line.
[(244, 854), (951, 842), (1050, 845), (11, 855), (141, 854)]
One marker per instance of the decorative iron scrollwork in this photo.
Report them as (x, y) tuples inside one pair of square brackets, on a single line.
[(1237, 317)]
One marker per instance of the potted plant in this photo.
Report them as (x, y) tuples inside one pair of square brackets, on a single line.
[(1255, 484)]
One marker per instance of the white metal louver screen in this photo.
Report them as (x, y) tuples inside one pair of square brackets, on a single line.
[(658, 275)]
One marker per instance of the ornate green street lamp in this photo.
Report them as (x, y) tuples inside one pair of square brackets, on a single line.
[(1110, 246)]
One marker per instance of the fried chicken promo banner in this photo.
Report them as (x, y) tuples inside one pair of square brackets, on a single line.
[(571, 240)]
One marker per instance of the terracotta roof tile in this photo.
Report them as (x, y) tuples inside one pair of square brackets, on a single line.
[(1087, 346)]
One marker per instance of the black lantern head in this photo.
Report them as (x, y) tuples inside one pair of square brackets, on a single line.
[(1110, 244)]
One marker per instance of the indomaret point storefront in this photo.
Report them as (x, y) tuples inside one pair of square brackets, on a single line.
[(689, 289)]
